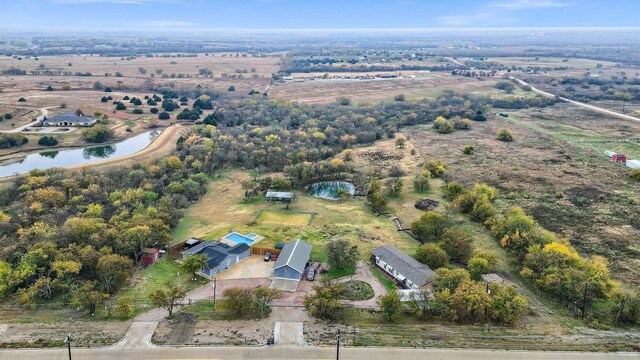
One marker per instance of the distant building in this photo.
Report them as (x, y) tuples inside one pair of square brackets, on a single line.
[(634, 164), (71, 118), (220, 256), (406, 270), (619, 158)]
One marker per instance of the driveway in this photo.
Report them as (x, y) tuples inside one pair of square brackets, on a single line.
[(363, 273), (250, 268)]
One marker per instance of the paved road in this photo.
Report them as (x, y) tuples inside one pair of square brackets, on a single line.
[(302, 353), (599, 109)]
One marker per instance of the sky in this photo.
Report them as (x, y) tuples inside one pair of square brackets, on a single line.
[(150, 15)]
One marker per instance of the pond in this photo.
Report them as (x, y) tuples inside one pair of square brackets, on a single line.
[(329, 189), (73, 157)]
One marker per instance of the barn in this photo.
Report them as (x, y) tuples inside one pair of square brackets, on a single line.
[(290, 266)]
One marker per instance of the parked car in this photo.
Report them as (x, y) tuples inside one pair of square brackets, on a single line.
[(267, 256), (311, 273), (274, 257)]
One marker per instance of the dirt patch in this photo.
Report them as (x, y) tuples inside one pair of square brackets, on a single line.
[(185, 330), (53, 334)]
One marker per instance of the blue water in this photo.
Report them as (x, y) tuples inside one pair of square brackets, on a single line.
[(237, 238), (252, 235), (329, 189), (74, 157)]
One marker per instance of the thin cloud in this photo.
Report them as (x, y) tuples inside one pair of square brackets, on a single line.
[(164, 23), (529, 4), (121, 2), (484, 18)]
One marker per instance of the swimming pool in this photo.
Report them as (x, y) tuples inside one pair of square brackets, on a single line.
[(237, 238)]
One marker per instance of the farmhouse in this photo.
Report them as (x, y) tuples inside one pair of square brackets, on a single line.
[(403, 268), (220, 255), (290, 266), (72, 118)]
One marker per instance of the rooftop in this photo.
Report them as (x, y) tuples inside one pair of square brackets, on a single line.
[(418, 273), (216, 251), (70, 117), (294, 254)]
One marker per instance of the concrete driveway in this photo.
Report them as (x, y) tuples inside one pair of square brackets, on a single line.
[(250, 268)]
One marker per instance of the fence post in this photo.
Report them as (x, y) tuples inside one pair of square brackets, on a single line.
[(354, 336)]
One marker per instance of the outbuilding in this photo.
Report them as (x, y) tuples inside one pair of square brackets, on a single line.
[(290, 266), (280, 196), (150, 256)]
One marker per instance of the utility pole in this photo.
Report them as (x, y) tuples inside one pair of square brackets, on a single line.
[(215, 283), (68, 341), (338, 345), (584, 300)]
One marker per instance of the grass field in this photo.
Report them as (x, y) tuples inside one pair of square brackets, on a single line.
[(283, 217), (321, 91), (154, 277)]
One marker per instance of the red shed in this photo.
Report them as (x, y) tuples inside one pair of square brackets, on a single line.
[(619, 158), (150, 256)]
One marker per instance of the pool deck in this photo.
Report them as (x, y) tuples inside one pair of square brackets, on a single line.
[(255, 239)]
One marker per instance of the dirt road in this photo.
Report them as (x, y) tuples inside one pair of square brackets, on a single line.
[(595, 108)]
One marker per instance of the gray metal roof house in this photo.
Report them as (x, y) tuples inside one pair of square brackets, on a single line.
[(406, 270), (220, 255), (279, 196), (290, 266), (71, 118)]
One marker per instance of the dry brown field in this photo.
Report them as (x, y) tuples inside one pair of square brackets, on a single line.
[(322, 91), (569, 188)]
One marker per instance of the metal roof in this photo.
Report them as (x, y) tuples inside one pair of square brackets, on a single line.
[(417, 272), (280, 194), (216, 251), (71, 117), (634, 164), (294, 254)]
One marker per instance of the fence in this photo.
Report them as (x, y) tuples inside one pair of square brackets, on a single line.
[(174, 251), (262, 251)]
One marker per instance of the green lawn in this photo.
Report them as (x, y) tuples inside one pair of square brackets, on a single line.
[(338, 273), (388, 283), (356, 290), (283, 217), (155, 276)]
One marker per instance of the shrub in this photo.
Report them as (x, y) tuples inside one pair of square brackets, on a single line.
[(126, 97), (137, 111), (468, 149), (97, 134), (47, 141), (344, 101), (390, 306), (49, 88), (477, 266), (107, 89), (153, 110), (432, 255), (104, 99), (124, 307), (164, 116), (505, 135), (457, 244), (461, 124), (430, 226), (121, 106), (442, 125), (8, 116), (635, 174), (436, 168), (22, 99), (399, 97), (231, 88)]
